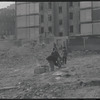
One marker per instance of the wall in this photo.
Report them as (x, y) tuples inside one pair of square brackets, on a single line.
[(60, 16), (76, 18), (28, 20), (86, 4), (85, 15), (46, 23), (86, 29), (76, 43), (96, 3), (91, 43), (96, 28), (96, 14)]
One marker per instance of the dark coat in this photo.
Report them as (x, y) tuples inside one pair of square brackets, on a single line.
[(53, 57)]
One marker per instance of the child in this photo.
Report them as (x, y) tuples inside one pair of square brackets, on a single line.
[(64, 56)]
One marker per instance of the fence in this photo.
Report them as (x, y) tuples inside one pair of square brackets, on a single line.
[(85, 43)]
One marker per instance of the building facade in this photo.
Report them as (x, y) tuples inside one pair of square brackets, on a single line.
[(60, 18), (90, 18), (80, 21), (44, 19), (27, 20)]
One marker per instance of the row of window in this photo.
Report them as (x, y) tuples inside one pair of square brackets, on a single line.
[(49, 6), (49, 18), (60, 8), (60, 21), (50, 29)]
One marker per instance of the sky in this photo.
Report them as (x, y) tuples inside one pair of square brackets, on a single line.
[(5, 4)]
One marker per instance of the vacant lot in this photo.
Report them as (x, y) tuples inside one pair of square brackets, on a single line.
[(79, 78)]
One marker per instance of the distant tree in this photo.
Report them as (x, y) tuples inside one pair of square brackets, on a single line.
[(7, 21)]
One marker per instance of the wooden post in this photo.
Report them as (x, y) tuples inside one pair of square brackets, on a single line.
[(84, 42), (15, 37)]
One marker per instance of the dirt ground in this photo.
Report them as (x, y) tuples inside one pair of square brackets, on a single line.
[(79, 78)]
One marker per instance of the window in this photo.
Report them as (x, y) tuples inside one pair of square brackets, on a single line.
[(49, 17), (42, 29), (60, 22), (71, 4), (71, 28), (71, 15), (41, 6), (60, 34), (96, 14), (50, 29), (60, 9), (49, 5), (42, 18)]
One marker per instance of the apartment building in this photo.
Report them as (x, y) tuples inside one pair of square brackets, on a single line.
[(64, 17), (78, 20), (89, 37), (49, 18), (27, 20), (46, 19), (90, 17), (74, 18)]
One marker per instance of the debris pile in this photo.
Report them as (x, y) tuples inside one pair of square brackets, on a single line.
[(83, 53)]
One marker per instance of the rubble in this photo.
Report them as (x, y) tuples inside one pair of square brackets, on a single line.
[(42, 83)]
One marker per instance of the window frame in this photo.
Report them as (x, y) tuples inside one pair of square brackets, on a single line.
[(71, 15), (60, 22), (71, 4), (50, 29), (49, 5), (60, 9), (49, 18), (42, 18), (42, 30), (71, 28), (60, 34)]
